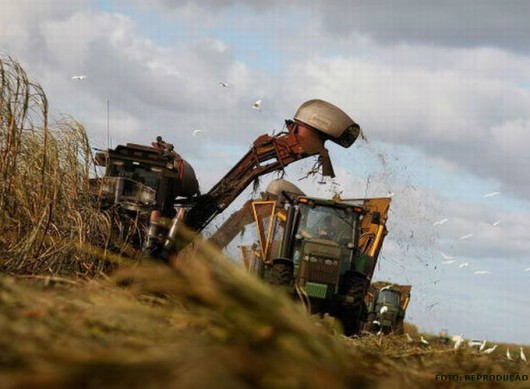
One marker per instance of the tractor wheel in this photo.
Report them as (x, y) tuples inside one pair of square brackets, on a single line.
[(398, 329), (281, 274), (370, 326), (351, 314)]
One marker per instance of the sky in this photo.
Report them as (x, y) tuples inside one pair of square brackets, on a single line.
[(440, 89)]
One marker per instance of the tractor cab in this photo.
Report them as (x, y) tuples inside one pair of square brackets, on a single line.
[(323, 249), (143, 178)]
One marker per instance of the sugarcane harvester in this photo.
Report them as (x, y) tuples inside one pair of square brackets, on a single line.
[(167, 176)]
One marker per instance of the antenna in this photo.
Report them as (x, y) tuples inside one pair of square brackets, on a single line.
[(108, 127)]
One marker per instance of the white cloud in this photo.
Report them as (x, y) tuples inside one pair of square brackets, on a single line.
[(450, 113), (446, 105)]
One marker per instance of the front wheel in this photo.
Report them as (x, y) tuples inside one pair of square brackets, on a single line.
[(281, 273), (353, 312), (398, 329)]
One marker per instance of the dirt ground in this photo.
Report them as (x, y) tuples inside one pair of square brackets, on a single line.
[(210, 325)]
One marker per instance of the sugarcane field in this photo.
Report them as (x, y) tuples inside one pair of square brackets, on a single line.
[(234, 195)]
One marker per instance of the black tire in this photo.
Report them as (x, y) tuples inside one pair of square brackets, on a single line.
[(281, 274), (398, 329), (370, 326), (352, 313)]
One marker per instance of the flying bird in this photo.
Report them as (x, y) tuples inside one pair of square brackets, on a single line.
[(508, 355), (195, 132), (465, 264), (521, 354), (463, 237), (490, 350), (491, 194), (496, 223), (482, 272), (82, 77), (257, 105), (224, 84), (446, 256), (448, 262), (440, 222), (527, 269)]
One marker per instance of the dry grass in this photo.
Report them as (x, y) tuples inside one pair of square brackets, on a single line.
[(203, 323), (47, 222)]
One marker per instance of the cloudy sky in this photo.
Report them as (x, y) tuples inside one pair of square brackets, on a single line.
[(441, 90)]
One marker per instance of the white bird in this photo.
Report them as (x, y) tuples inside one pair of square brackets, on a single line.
[(440, 222), (465, 264), (82, 77), (446, 256), (521, 354), (482, 345), (376, 322), (508, 355), (409, 338), (467, 236), (496, 223), (224, 84), (257, 105), (383, 309), (458, 341), (482, 272), (474, 343), (448, 262), (456, 337), (385, 287), (195, 132), (491, 194), (423, 341), (490, 350), (527, 269)]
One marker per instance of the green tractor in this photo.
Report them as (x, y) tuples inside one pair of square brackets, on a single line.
[(387, 304), (327, 253)]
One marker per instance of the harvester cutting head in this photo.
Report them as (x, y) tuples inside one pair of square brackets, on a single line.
[(329, 120)]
